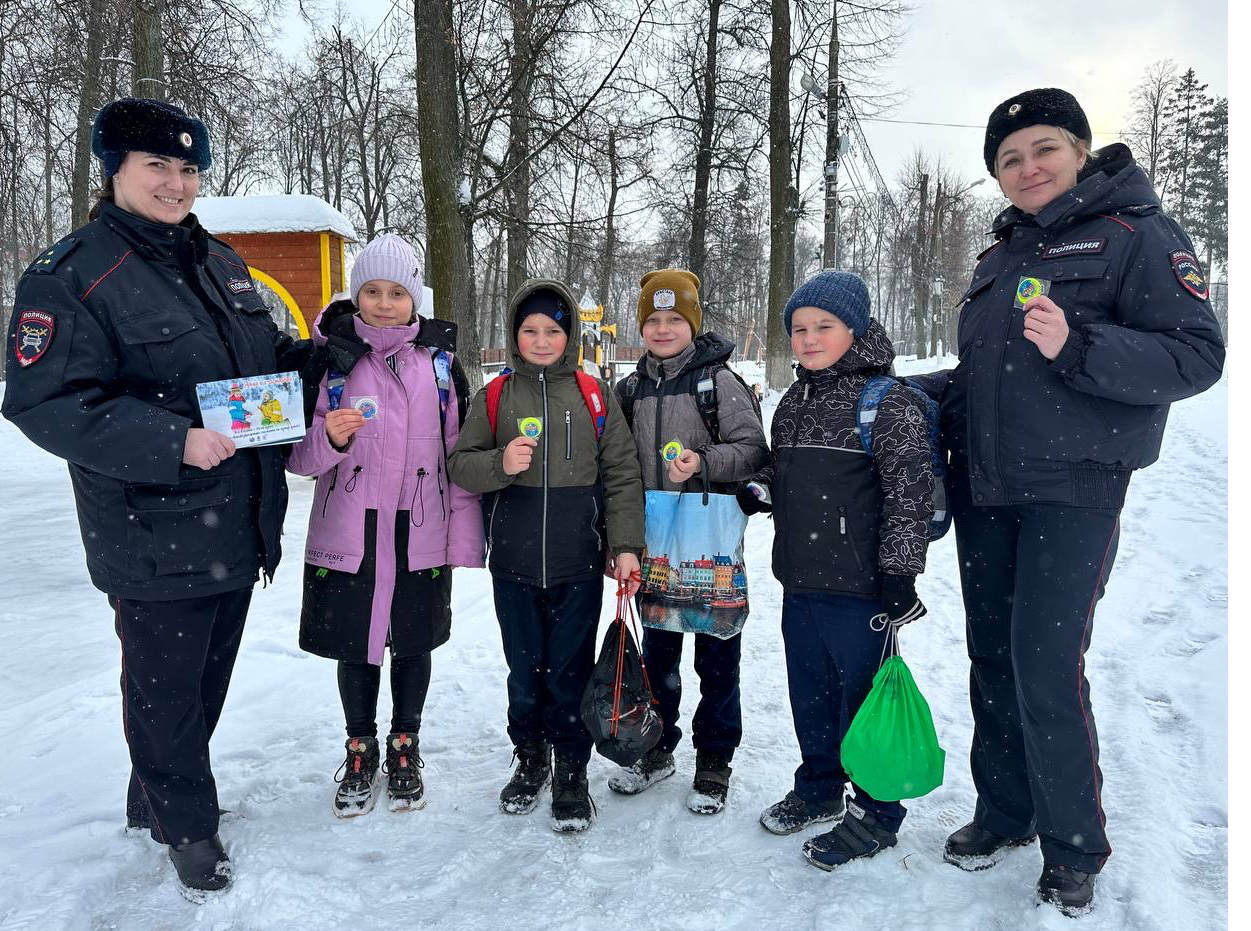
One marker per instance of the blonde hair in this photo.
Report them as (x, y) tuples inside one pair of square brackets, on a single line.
[(1082, 146)]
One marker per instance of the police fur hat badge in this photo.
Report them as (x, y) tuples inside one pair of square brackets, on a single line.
[(139, 124), (1046, 106)]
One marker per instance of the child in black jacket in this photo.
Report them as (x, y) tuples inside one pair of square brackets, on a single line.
[(850, 538)]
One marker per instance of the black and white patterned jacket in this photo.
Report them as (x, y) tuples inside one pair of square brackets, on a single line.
[(842, 517)]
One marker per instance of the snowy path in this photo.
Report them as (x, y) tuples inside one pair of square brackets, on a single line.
[(1158, 668)]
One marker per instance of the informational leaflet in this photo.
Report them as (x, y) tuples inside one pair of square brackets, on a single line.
[(259, 410)]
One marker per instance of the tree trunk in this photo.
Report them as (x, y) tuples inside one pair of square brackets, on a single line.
[(933, 264), (148, 78), (832, 94), (448, 270), (781, 196), (88, 103), (703, 157), (610, 232), (517, 165), (920, 292)]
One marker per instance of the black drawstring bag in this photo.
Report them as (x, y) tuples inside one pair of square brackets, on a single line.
[(617, 705)]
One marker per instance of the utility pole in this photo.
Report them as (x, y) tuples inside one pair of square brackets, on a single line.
[(833, 92)]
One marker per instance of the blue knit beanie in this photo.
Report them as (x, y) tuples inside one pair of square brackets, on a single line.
[(843, 294)]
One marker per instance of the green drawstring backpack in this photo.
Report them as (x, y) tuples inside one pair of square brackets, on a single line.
[(891, 750)]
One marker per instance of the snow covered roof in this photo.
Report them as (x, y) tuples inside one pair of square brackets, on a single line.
[(272, 213)]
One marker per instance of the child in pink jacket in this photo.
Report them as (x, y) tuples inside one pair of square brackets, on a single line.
[(387, 526)]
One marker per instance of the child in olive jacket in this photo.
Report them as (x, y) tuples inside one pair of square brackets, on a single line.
[(563, 498)]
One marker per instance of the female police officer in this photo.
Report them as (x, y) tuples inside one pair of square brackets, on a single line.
[(1084, 320), (113, 328)]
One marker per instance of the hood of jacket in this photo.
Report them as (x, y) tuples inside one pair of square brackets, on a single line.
[(870, 354), (1108, 182), (347, 338), (705, 349), (568, 361)]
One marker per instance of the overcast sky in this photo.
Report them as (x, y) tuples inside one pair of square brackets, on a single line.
[(962, 57)]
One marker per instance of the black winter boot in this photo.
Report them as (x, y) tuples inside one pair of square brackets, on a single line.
[(358, 785), (652, 767), (533, 772), (1069, 890), (572, 807), (202, 867), (974, 848), (711, 786), (405, 791), (794, 814)]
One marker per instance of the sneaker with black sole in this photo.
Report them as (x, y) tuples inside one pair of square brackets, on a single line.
[(360, 779), (572, 808), (1069, 890), (711, 785), (202, 867), (403, 765), (794, 814), (533, 773), (858, 836), (974, 848), (653, 766)]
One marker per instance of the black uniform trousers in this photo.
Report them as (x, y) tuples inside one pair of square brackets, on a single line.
[(177, 657), (1031, 575), (832, 655), (717, 726), (549, 643)]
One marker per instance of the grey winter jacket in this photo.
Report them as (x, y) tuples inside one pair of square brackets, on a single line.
[(664, 409)]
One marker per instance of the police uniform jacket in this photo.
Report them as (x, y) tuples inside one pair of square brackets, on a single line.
[(1141, 335), (112, 330)]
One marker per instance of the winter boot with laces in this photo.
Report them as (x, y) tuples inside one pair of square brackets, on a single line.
[(572, 808), (360, 779), (403, 766), (711, 785), (533, 773), (653, 766), (858, 835), (974, 848), (794, 814), (1069, 890)]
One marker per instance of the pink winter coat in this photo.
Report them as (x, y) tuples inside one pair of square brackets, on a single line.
[(397, 461)]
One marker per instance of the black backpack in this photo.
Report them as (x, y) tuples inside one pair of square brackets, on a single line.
[(617, 704)]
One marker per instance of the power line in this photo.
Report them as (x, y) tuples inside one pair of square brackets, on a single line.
[(981, 126)]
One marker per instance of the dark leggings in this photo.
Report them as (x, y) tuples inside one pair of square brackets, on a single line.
[(358, 690)]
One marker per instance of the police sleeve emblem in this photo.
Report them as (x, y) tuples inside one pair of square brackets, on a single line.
[(33, 335), (1189, 272)]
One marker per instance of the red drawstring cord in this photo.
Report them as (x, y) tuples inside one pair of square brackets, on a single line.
[(626, 606)]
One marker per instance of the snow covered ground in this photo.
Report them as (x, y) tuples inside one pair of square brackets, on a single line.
[(1157, 664)]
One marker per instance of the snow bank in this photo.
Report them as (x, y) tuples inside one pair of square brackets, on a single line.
[(272, 213)]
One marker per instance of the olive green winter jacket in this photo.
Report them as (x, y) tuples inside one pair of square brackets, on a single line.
[(554, 522)]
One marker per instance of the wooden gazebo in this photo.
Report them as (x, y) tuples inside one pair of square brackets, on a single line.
[(293, 244)]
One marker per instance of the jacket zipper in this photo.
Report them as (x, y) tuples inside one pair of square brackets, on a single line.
[(442, 501), (421, 477), (334, 477), (846, 531), (543, 550), (599, 541), (491, 524), (568, 439), (660, 399)]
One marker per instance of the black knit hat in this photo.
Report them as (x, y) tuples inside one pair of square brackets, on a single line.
[(1046, 106), (546, 302), (138, 124)]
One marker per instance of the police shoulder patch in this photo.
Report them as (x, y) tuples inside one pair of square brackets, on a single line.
[(50, 258), (32, 335), (1189, 272)]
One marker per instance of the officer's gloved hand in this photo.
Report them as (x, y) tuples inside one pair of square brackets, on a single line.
[(900, 601), (753, 498)]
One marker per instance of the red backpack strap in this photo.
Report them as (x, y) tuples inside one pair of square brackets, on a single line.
[(594, 400), (494, 390)]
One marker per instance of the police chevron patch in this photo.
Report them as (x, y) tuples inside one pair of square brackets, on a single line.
[(33, 335)]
